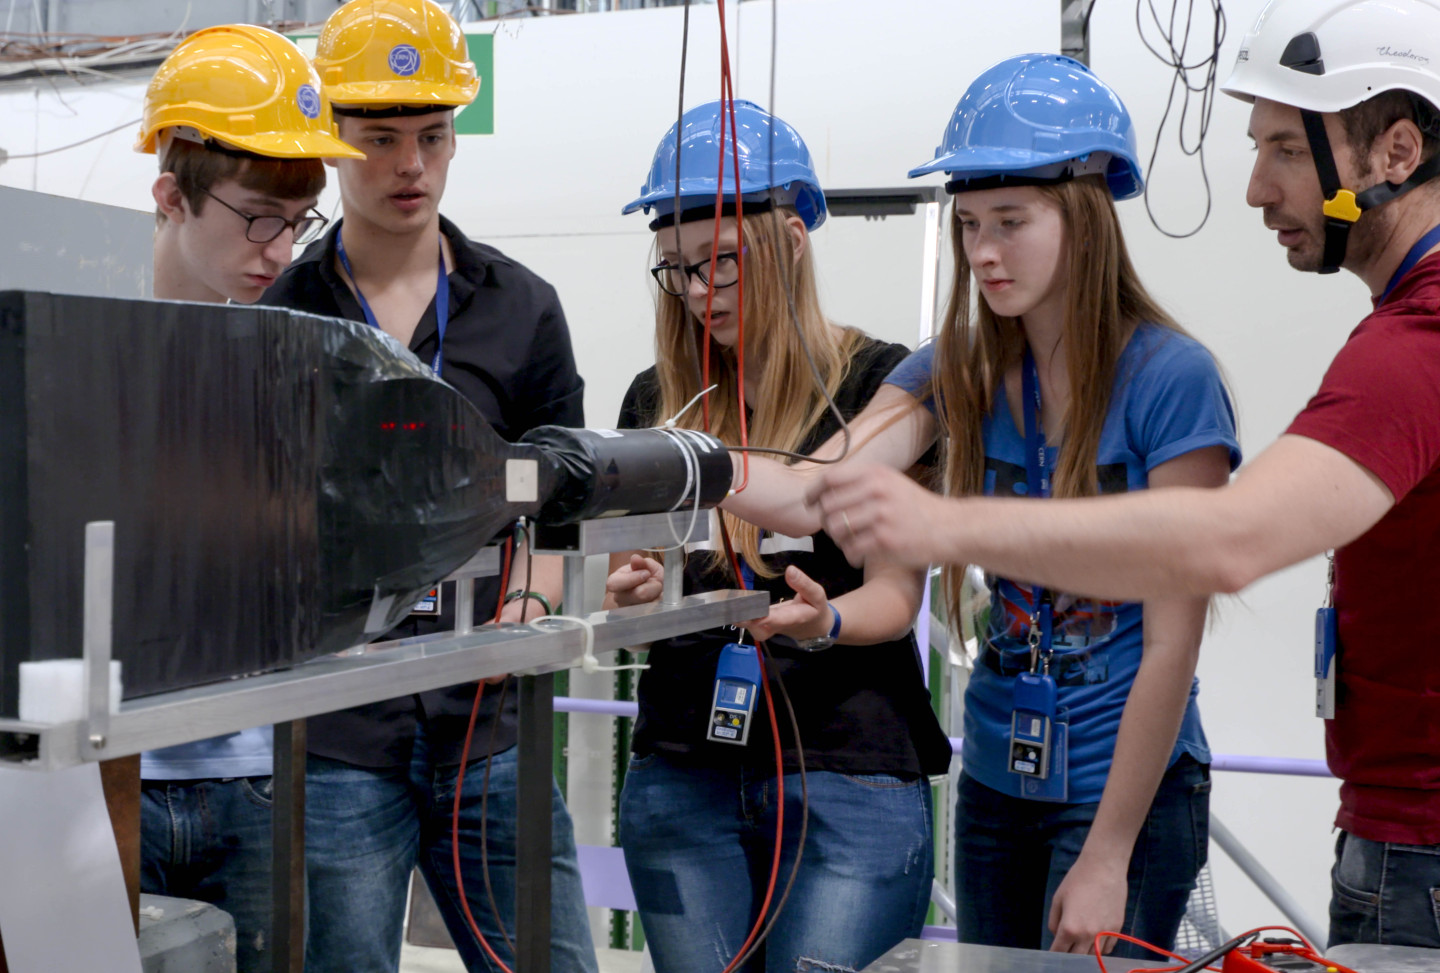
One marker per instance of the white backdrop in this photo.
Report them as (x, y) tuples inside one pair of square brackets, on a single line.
[(580, 104)]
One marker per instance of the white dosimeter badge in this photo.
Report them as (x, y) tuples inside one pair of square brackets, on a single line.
[(737, 684), (1032, 723)]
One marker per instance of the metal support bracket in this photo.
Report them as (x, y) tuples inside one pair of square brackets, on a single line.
[(99, 596)]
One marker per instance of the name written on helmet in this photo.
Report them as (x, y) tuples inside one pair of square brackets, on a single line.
[(1386, 50)]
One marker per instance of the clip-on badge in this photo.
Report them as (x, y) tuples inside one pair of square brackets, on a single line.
[(1327, 643), (1039, 732), (737, 684)]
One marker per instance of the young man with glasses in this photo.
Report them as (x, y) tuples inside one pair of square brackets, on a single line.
[(381, 778), (233, 197)]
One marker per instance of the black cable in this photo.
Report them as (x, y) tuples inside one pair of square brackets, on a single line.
[(786, 268), (804, 809), (1173, 57)]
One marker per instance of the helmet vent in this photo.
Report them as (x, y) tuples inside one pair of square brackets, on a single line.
[(1303, 54)]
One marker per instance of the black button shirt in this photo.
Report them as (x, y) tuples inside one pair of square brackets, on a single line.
[(507, 350)]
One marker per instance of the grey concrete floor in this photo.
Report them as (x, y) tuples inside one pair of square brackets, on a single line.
[(419, 959)]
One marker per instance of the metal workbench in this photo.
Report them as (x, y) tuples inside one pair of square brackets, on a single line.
[(385, 670), (928, 956)]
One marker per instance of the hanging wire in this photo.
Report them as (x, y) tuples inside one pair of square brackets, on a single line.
[(786, 269), (1172, 55)]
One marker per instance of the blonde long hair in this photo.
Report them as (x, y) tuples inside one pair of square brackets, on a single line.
[(788, 403), (1105, 302)]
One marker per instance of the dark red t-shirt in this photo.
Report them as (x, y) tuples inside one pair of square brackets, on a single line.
[(1380, 405)]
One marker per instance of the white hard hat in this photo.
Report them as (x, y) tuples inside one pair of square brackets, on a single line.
[(1328, 55)]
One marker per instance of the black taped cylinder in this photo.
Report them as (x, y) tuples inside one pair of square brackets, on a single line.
[(608, 473)]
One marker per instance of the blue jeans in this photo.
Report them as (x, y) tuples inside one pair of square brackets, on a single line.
[(365, 830), (699, 843), (1012, 853), (1385, 893), (210, 840)]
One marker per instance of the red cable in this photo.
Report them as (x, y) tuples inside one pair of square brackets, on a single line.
[(727, 110), (779, 770), (1183, 961), (460, 782)]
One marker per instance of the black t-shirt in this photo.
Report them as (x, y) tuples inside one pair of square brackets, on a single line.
[(861, 709), (507, 350)]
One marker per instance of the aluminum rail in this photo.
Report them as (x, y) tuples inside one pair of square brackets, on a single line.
[(383, 671)]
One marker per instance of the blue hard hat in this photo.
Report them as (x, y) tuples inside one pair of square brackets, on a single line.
[(788, 180), (1038, 118)]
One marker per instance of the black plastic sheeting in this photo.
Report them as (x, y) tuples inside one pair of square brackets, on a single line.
[(606, 473), (282, 485)]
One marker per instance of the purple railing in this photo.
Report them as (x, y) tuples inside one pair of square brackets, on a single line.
[(1238, 763)]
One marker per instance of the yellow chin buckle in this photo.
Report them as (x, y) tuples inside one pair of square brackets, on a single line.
[(1342, 206)]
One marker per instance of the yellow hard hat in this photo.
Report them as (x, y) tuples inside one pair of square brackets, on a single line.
[(394, 52), (246, 87)]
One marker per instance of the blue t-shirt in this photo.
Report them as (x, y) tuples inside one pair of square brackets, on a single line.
[(248, 753), (1168, 400)]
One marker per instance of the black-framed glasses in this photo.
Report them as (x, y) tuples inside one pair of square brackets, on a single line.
[(263, 229), (675, 279)]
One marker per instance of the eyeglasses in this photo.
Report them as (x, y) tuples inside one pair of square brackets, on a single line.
[(724, 271), (263, 229)]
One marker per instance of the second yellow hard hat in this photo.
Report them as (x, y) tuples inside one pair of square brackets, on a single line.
[(394, 52)]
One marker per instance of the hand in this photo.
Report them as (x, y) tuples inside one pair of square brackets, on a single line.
[(1090, 900), (637, 583), (806, 616), (874, 510)]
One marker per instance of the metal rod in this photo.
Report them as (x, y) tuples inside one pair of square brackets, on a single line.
[(930, 271), (1264, 881), (572, 593), (533, 824), (673, 590), (287, 853), (464, 606), (1288, 766), (97, 634)]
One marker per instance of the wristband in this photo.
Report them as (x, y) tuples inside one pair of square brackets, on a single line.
[(824, 641), (537, 596)]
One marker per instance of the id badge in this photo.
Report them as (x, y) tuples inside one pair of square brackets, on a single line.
[(1039, 740), (737, 684), (429, 606), (1327, 642)]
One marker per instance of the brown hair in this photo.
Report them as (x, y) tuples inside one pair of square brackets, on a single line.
[(198, 167), (788, 404), (1367, 121), (1105, 301)]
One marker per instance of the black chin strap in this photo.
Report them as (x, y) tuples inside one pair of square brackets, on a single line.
[(1342, 207)]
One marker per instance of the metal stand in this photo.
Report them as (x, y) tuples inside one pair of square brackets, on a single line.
[(368, 674), (534, 822), (287, 861)]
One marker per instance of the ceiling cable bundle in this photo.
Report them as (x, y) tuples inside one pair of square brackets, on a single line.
[(1171, 51)]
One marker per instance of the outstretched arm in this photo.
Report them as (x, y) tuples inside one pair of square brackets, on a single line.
[(894, 430), (1298, 498)]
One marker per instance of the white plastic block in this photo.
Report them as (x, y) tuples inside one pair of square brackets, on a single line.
[(53, 691)]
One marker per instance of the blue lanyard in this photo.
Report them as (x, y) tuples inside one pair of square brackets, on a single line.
[(442, 300), (1422, 245), (1037, 479)]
